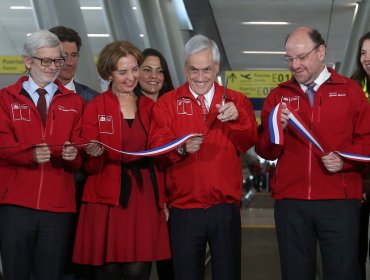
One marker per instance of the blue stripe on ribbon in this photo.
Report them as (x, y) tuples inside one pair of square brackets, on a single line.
[(156, 151), (298, 125)]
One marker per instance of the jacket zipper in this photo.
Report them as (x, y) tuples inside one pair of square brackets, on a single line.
[(52, 122), (43, 130), (309, 170), (120, 135), (310, 162)]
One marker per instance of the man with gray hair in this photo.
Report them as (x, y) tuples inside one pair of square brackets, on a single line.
[(40, 119), (204, 176)]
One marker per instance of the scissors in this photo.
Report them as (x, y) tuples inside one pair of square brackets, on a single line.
[(224, 94)]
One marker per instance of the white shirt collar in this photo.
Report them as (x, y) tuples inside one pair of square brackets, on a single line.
[(324, 75), (208, 96), (71, 85), (30, 86)]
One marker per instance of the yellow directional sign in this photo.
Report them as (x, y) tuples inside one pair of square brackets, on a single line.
[(256, 83), (11, 65)]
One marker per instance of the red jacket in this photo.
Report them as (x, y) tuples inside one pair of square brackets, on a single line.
[(213, 175), (340, 120), (48, 186), (102, 122)]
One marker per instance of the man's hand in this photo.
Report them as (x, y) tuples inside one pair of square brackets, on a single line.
[(94, 149), (41, 153), (332, 162), (69, 151), (228, 112), (193, 144), (284, 116)]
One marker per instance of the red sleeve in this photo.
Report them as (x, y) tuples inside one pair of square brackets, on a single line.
[(90, 131), (11, 151), (243, 130), (161, 132), (75, 137)]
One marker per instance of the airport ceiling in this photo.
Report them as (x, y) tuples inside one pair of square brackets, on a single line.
[(222, 21)]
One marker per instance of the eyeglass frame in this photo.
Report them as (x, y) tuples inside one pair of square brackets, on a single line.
[(300, 58), (49, 61)]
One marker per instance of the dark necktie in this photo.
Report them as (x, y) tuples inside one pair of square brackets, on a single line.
[(311, 92), (202, 101), (41, 104)]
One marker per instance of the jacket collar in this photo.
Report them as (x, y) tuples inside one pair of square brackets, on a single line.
[(17, 87), (335, 78)]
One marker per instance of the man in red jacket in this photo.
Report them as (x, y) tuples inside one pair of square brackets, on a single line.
[(204, 176), (39, 121), (317, 194)]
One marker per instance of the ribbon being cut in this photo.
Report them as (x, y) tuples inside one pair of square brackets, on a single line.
[(159, 150), (277, 134), (152, 152)]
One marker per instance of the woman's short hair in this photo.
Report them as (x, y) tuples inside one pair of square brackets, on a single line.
[(111, 53)]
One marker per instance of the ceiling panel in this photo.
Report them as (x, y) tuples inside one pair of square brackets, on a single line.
[(237, 38)]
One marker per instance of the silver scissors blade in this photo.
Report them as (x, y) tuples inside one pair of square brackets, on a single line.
[(224, 94)]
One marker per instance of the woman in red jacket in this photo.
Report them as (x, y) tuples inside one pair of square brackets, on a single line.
[(122, 226)]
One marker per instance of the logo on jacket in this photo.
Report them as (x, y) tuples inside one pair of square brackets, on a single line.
[(105, 124), (21, 112), (62, 108), (184, 107), (293, 101), (335, 94)]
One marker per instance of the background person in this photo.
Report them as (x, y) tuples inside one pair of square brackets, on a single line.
[(204, 177), (155, 78), (37, 191), (317, 198), (122, 227), (71, 42), (362, 75), (154, 81)]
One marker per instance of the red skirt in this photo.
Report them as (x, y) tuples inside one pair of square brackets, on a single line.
[(108, 233)]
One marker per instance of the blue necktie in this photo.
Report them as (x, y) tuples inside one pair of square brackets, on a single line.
[(311, 92)]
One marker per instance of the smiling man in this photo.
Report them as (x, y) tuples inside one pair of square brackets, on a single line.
[(204, 176), (317, 195), (39, 120)]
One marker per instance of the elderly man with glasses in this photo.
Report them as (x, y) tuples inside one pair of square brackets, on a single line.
[(40, 123), (317, 194)]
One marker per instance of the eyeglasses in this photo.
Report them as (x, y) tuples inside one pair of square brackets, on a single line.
[(58, 62), (300, 58)]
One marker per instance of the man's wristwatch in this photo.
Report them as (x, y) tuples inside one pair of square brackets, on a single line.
[(181, 150)]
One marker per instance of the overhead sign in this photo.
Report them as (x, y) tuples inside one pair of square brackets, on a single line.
[(256, 83), (11, 65)]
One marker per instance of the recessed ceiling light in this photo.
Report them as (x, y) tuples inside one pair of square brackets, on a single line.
[(134, 8), (102, 35), (91, 8), (20, 8), (265, 23), (263, 52), (141, 35)]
